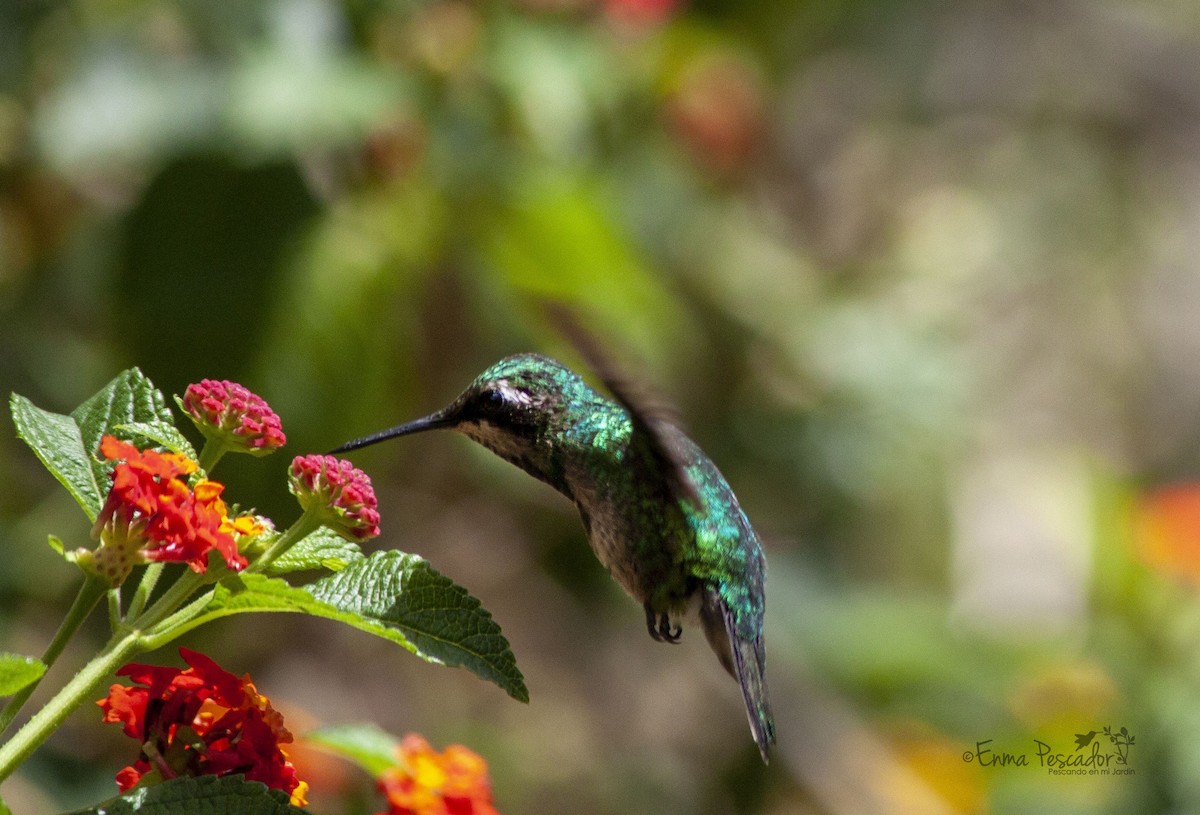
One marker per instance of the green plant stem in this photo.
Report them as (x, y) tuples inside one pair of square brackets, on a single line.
[(210, 454), (177, 624), (87, 682), (172, 599), (304, 526), (144, 589), (89, 595), (158, 632), (82, 687)]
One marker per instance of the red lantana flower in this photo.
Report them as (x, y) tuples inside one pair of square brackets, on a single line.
[(234, 416), (339, 491), (151, 513), (201, 720), (425, 782)]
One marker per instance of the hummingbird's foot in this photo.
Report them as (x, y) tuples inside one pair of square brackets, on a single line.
[(660, 628)]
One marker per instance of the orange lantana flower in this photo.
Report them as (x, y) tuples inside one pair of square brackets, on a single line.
[(151, 513), (1167, 531), (425, 782)]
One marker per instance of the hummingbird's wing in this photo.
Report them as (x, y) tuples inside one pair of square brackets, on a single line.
[(654, 419)]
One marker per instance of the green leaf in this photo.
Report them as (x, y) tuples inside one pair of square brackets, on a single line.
[(161, 434), (392, 595), (401, 597), (69, 555), (203, 795), (17, 672), (66, 445), (56, 441), (323, 549), (256, 592), (130, 397), (366, 745)]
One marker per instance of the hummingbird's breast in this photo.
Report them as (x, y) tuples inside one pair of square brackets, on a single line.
[(633, 524), (591, 454), (612, 540)]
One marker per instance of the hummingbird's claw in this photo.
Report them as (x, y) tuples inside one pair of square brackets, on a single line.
[(652, 623), (660, 628)]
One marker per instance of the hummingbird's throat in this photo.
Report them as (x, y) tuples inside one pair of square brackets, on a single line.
[(500, 441)]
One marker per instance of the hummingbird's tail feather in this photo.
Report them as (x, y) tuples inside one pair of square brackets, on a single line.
[(746, 661)]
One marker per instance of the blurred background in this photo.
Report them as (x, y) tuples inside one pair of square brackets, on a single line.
[(921, 278)]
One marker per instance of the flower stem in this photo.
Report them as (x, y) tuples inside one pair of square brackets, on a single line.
[(210, 454), (114, 608), (82, 687), (85, 683), (172, 598), (89, 595), (178, 624), (304, 526), (160, 630), (145, 588)]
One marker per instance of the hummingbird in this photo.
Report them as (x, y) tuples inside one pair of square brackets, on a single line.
[(657, 512)]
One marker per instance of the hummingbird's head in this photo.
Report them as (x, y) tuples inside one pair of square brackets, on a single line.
[(517, 408)]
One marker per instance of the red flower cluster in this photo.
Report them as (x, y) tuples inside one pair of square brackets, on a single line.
[(454, 782), (152, 514), (640, 13), (201, 720), (717, 111), (338, 488), (233, 415)]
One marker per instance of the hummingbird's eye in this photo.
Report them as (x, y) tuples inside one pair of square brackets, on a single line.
[(491, 401)]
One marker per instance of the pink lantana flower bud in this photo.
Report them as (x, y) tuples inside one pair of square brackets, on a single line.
[(233, 417), (341, 492)]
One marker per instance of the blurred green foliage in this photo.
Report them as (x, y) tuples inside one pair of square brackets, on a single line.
[(921, 278)]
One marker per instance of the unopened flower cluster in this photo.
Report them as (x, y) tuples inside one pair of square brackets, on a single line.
[(231, 414), (339, 491)]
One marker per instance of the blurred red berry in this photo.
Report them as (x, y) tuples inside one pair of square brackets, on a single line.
[(717, 111)]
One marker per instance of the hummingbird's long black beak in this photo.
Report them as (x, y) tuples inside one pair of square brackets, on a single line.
[(431, 422)]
